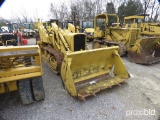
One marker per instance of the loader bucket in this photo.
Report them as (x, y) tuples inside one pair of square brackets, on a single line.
[(84, 73), (145, 51), (19, 62)]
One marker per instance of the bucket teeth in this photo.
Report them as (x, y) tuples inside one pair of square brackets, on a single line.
[(110, 86), (94, 94), (117, 83), (81, 97), (91, 90)]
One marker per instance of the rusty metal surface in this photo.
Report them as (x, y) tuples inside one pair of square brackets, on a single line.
[(108, 43), (81, 84), (18, 53), (147, 52), (94, 85), (142, 58)]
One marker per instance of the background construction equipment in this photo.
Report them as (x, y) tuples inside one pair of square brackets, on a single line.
[(142, 50), (147, 29), (21, 69), (86, 26)]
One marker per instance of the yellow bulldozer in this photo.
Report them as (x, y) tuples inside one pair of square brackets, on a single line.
[(84, 72), (109, 32), (147, 29), (21, 69), (86, 26)]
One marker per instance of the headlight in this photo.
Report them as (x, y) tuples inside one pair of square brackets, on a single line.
[(85, 32), (91, 33)]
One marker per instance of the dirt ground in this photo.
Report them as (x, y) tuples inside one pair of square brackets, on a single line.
[(136, 99)]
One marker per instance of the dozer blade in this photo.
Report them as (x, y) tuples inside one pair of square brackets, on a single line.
[(19, 62), (85, 73), (145, 51)]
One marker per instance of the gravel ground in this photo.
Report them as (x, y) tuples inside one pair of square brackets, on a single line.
[(136, 95)]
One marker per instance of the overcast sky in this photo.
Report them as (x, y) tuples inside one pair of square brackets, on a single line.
[(35, 8)]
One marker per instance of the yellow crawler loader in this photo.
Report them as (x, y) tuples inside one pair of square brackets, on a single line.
[(146, 29), (108, 32), (84, 72), (21, 69)]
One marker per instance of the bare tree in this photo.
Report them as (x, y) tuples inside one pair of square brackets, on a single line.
[(157, 12), (100, 6), (60, 12), (153, 9), (87, 8), (63, 12), (77, 8), (53, 11), (22, 17), (90, 8), (25, 16), (146, 4)]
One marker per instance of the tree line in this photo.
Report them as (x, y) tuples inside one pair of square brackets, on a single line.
[(88, 9)]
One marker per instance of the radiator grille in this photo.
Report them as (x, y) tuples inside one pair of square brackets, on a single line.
[(79, 42), (133, 36)]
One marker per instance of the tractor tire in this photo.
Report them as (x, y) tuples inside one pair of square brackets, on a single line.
[(25, 91), (38, 90)]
